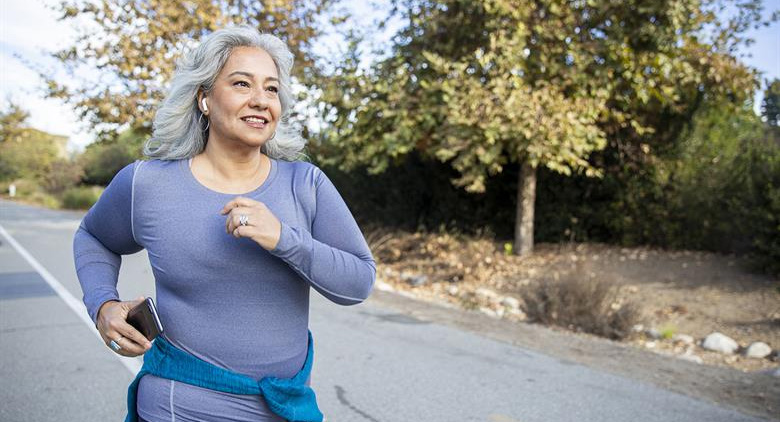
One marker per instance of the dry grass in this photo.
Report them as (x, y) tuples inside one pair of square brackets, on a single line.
[(580, 304)]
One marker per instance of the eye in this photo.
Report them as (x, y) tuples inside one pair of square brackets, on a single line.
[(243, 84), (273, 88)]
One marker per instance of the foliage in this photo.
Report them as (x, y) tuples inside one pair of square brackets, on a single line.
[(716, 190), (770, 107), (81, 197), (26, 152), (24, 188), (481, 85), (62, 174), (668, 331), (102, 160), (132, 46), (572, 87), (12, 122), (761, 209)]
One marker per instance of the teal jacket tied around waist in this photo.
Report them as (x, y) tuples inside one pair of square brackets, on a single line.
[(289, 398)]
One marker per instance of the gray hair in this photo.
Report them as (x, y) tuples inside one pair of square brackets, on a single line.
[(178, 129)]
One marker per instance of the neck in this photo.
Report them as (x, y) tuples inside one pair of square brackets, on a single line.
[(232, 165)]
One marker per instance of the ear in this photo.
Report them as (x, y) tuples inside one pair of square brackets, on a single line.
[(202, 103)]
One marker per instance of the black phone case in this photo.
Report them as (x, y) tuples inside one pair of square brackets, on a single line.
[(144, 318)]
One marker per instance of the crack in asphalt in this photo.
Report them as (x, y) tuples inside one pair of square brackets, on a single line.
[(341, 396)]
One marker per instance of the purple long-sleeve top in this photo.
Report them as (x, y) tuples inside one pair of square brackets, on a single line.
[(227, 301)]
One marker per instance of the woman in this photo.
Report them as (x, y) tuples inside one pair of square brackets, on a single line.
[(236, 231)]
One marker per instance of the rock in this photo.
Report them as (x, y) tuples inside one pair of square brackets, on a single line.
[(775, 372), (683, 338), (414, 280), (489, 312), (653, 333), (718, 342), (381, 285), (691, 358), (453, 290), (637, 328), (511, 302), (758, 349), (517, 313), (486, 294)]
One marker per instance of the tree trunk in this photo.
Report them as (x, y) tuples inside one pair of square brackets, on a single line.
[(524, 220)]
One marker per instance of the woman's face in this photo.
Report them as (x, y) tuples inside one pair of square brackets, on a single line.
[(244, 105)]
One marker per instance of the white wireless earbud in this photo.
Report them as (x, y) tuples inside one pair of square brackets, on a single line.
[(205, 107)]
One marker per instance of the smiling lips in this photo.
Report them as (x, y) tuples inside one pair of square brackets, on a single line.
[(255, 121)]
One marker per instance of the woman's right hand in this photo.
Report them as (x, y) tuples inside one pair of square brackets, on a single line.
[(112, 325)]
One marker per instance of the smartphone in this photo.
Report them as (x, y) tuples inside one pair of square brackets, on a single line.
[(144, 318)]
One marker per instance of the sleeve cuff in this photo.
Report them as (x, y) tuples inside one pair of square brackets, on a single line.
[(283, 245), (294, 247), (96, 303), (290, 240)]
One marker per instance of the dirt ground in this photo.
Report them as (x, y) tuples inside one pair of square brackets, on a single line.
[(678, 292)]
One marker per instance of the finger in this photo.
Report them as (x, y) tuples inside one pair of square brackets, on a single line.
[(136, 302), (138, 338), (244, 231), (234, 218), (238, 201), (133, 341), (128, 348)]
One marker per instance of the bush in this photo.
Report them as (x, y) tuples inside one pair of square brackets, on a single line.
[(763, 212), (30, 191), (102, 160), (582, 305), (44, 199), (81, 197), (63, 174), (24, 188)]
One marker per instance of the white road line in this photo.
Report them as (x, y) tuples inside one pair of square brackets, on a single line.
[(132, 364)]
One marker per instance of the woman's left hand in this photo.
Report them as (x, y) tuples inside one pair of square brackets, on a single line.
[(260, 224)]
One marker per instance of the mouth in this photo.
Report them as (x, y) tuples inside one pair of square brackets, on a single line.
[(256, 121)]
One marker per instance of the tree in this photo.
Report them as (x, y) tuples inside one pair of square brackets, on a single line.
[(770, 107), (102, 160), (483, 85), (12, 122), (133, 46), (26, 152)]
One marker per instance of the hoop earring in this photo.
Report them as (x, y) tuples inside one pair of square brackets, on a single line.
[(200, 122), (272, 137)]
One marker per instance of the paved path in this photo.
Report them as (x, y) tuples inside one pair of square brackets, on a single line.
[(372, 362)]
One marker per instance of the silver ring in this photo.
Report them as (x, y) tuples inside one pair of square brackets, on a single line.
[(114, 345), (243, 219)]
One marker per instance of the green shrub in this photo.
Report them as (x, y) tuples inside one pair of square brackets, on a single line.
[(44, 199), (102, 160), (62, 175), (24, 188), (81, 197), (668, 331)]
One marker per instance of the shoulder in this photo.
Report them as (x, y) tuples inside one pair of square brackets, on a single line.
[(155, 165), (302, 172), (152, 171)]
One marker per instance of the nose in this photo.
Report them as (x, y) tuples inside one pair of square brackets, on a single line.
[(258, 99)]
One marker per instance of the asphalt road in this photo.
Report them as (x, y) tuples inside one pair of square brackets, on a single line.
[(372, 362)]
